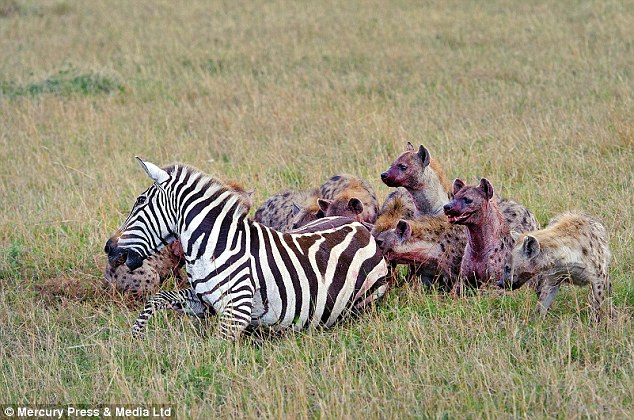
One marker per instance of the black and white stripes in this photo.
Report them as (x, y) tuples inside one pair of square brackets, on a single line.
[(247, 272)]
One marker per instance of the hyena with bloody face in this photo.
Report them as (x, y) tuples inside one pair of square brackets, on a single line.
[(348, 196), (488, 234), (289, 210), (424, 178), (158, 267), (573, 248), (431, 246)]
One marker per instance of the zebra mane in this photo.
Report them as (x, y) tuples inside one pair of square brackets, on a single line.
[(206, 182)]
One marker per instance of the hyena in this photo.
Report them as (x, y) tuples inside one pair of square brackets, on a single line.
[(573, 248), (289, 210), (148, 278), (349, 196), (425, 180), (488, 234), (431, 246), (166, 263), (398, 203), (422, 176)]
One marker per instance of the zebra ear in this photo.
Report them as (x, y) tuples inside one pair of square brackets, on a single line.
[(155, 173)]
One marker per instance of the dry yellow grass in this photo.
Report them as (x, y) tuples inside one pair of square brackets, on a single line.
[(536, 96)]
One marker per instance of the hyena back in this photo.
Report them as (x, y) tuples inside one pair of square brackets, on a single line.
[(573, 248), (288, 210)]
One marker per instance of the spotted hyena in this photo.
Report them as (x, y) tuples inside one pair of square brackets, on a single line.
[(573, 248), (431, 246), (489, 238), (289, 210), (147, 279), (424, 178), (348, 196)]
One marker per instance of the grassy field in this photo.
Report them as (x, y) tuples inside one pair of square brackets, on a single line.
[(536, 96)]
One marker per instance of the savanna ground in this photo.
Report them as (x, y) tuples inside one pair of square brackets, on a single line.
[(536, 96)]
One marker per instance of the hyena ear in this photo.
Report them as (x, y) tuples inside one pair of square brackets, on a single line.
[(409, 147), (531, 246), (515, 235), (324, 204), (355, 205), (155, 173), (296, 209), (424, 155), (457, 185), (487, 188), (403, 230)]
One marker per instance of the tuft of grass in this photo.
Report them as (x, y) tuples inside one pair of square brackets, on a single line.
[(64, 83)]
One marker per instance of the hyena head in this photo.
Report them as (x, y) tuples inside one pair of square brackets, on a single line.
[(469, 203), (409, 169), (304, 215), (522, 263), (150, 224), (387, 240), (342, 206)]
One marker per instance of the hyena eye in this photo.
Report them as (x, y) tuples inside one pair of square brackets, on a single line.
[(507, 269), (468, 201), (402, 167), (140, 200)]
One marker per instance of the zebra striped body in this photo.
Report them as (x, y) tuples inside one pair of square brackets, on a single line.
[(249, 273)]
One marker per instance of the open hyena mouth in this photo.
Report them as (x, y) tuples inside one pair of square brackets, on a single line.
[(459, 218)]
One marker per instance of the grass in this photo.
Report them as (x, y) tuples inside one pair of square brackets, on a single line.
[(536, 96)]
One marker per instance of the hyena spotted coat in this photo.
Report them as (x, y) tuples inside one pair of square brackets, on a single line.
[(349, 196), (289, 210), (431, 246), (424, 178), (573, 248), (148, 278)]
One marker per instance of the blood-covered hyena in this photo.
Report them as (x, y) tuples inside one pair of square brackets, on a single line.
[(431, 246), (289, 210), (573, 248), (158, 267), (147, 279), (489, 238), (424, 178), (349, 196)]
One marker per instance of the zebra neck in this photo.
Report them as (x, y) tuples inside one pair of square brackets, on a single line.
[(213, 238)]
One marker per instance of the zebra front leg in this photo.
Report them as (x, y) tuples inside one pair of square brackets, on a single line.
[(185, 301)]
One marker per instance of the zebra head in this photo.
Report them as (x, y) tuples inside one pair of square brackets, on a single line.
[(149, 226)]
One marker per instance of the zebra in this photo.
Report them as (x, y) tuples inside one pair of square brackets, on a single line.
[(247, 273)]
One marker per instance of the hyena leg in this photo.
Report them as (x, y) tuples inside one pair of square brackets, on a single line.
[(546, 296), (185, 301), (600, 296)]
